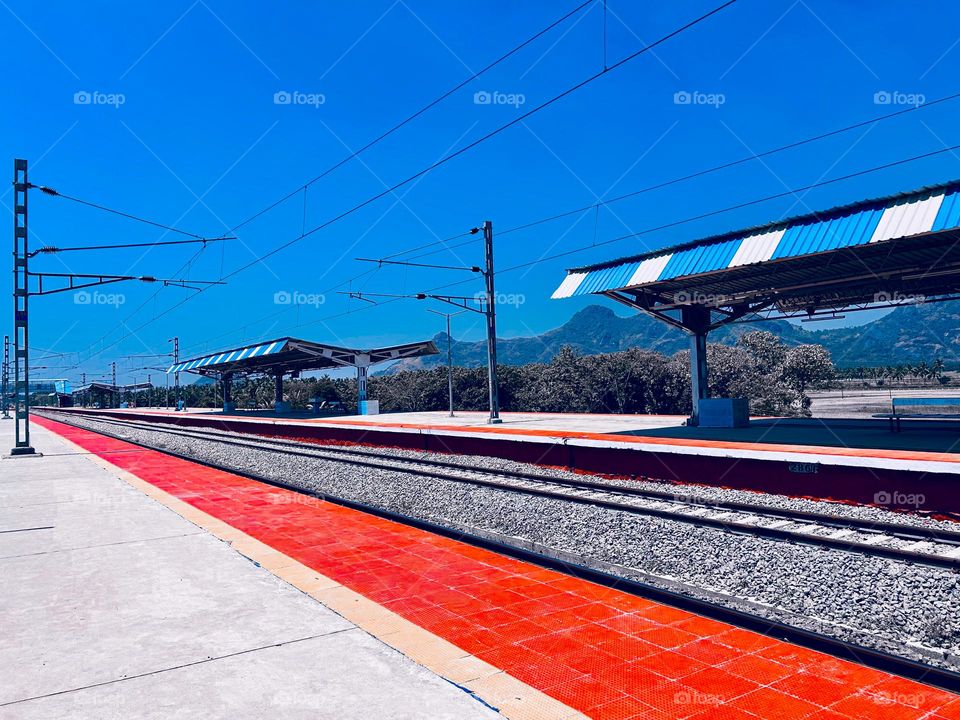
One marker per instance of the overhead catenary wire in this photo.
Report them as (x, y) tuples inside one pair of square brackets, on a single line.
[(739, 206), (591, 246), (433, 103), (444, 241), (683, 178), (483, 138), (478, 141), (187, 264), (393, 129), (88, 203), (675, 223), (384, 261), (50, 249)]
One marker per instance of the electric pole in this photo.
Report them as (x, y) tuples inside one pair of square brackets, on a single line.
[(75, 281), (488, 306), (21, 340), (83, 384), (6, 377), (113, 394), (491, 315)]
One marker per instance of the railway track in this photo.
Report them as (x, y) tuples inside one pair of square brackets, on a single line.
[(908, 543)]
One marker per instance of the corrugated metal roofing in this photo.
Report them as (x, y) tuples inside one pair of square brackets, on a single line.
[(949, 214), (700, 259), (269, 347), (756, 248), (907, 218), (295, 354), (649, 270), (808, 238), (898, 216)]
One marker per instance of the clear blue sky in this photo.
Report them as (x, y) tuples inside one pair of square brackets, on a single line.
[(198, 142)]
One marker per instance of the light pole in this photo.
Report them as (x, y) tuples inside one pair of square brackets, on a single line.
[(176, 375), (449, 354)]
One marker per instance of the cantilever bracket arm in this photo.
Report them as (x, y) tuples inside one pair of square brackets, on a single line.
[(458, 301), (97, 280), (93, 280)]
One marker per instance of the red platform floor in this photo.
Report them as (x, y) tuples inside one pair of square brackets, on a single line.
[(603, 652)]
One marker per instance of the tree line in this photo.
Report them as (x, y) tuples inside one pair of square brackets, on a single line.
[(920, 374), (761, 367)]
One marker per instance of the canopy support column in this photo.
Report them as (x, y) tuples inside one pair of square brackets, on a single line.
[(364, 406), (278, 404), (696, 320), (226, 381), (361, 383)]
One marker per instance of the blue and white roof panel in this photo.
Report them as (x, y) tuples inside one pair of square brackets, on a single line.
[(871, 221), (270, 347)]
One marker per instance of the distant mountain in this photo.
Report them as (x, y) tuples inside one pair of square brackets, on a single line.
[(907, 335)]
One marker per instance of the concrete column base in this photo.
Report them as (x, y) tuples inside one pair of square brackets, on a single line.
[(229, 406), (281, 406)]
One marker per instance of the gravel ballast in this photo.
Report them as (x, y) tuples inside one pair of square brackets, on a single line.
[(909, 610)]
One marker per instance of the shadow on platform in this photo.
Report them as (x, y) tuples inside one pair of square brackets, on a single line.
[(917, 435)]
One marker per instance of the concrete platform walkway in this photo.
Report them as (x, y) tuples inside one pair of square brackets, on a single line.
[(535, 643), (114, 606)]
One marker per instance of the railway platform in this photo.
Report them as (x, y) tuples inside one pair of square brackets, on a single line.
[(525, 640), (118, 606), (846, 460)]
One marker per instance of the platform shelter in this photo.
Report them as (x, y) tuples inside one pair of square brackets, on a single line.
[(896, 250), (291, 357)]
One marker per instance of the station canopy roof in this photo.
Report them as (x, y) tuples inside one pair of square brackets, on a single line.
[(886, 251), (107, 387), (290, 355)]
